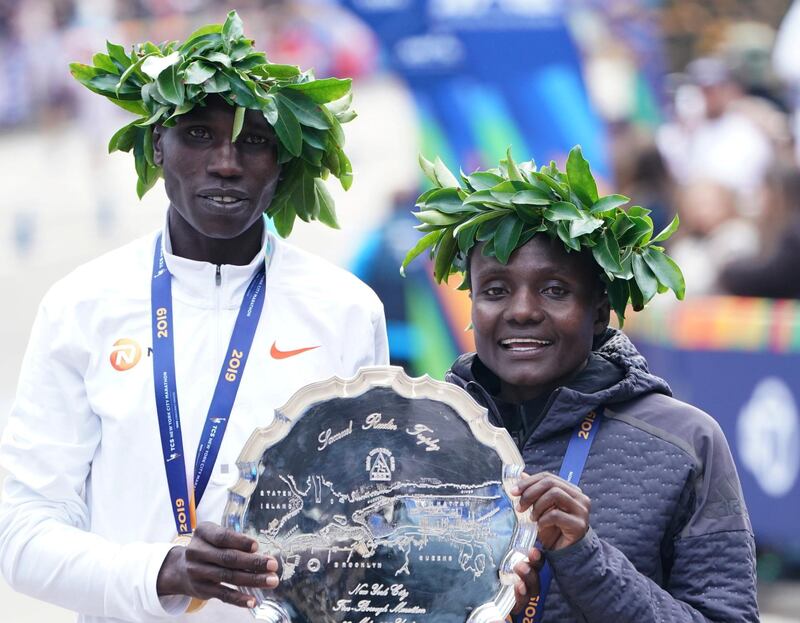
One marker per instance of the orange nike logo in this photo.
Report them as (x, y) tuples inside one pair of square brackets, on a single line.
[(285, 354)]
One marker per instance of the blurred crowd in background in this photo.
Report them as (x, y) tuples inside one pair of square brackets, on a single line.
[(720, 149), (39, 38), (699, 98), (692, 108)]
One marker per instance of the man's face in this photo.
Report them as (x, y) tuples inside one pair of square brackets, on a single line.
[(220, 188), (535, 317)]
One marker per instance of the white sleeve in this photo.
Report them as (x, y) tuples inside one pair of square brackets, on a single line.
[(46, 549), (381, 338)]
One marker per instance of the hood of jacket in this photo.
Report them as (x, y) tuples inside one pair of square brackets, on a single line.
[(567, 405)]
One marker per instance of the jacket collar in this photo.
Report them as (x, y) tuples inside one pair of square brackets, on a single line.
[(568, 405), (208, 285)]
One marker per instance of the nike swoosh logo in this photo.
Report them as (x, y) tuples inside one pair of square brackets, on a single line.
[(285, 354)]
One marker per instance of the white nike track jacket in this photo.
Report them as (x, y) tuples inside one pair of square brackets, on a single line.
[(85, 520)]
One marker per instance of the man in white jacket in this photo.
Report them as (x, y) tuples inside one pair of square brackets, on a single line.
[(212, 313)]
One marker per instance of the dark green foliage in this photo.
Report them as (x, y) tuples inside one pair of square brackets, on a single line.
[(161, 82), (504, 208)]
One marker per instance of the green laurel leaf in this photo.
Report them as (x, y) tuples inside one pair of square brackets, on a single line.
[(323, 91), (506, 237), (304, 108), (666, 270), (667, 232), (198, 72), (287, 127), (238, 122), (427, 241), (580, 177), (645, 279)]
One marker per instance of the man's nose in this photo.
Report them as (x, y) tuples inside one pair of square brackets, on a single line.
[(225, 161), (524, 307)]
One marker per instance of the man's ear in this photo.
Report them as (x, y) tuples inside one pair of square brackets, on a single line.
[(158, 154), (602, 314)]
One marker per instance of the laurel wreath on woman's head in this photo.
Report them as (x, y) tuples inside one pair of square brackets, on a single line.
[(503, 208), (161, 82)]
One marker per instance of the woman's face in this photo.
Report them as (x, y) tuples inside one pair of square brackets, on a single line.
[(535, 318)]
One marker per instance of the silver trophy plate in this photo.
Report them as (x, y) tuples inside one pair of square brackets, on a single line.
[(385, 499)]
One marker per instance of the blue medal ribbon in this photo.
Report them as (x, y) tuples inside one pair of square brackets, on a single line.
[(580, 443), (183, 500)]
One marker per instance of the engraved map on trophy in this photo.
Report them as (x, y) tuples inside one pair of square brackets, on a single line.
[(384, 498)]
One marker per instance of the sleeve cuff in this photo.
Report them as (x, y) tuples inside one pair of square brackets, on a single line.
[(574, 555), (168, 605), (173, 605)]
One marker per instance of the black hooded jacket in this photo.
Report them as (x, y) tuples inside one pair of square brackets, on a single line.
[(670, 539)]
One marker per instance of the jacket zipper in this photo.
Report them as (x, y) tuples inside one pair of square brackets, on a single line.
[(520, 436), (217, 290)]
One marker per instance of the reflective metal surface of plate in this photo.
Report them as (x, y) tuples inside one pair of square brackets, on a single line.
[(385, 500)]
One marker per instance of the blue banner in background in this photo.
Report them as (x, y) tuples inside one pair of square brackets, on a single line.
[(487, 75)]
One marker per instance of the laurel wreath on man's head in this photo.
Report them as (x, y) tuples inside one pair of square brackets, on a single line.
[(161, 82), (503, 208)]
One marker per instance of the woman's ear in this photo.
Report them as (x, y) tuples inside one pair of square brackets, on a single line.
[(602, 313), (158, 154)]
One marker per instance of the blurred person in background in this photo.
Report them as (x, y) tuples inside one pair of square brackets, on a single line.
[(640, 171), (712, 234), (42, 27), (102, 473), (14, 96), (775, 271), (786, 61), (726, 146)]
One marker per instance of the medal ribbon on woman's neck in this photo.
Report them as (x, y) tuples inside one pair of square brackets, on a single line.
[(183, 499), (580, 443)]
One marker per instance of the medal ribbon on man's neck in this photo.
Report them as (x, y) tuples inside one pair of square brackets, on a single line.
[(185, 497)]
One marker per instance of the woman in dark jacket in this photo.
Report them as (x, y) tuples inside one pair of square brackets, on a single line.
[(657, 529)]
